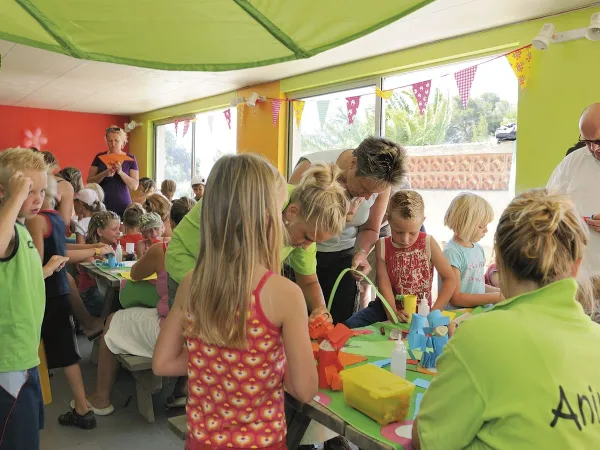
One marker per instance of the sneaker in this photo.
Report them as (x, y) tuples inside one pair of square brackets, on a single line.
[(72, 419), (97, 411)]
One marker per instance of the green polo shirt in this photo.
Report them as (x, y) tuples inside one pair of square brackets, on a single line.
[(525, 375), (185, 245)]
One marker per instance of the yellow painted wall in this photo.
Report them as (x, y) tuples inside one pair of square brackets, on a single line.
[(256, 132), (564, 81)]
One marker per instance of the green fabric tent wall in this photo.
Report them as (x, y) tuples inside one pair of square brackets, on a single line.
[(206, 35)]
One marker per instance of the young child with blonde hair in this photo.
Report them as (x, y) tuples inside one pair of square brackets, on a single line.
[(23, 181), (241, 341), (553, 404), (168, 189), (405, 262), (468, 216), (86, 204)]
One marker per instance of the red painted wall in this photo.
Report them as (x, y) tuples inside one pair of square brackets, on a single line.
[(73, 137)]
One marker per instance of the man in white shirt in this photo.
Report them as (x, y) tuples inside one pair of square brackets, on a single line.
[(578, 175)]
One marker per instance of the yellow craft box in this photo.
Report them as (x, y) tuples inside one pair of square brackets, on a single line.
[(377, 393)]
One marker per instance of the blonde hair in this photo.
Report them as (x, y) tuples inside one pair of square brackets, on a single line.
[(20, 159), (407, 204), (97, 189), (241, 230), (380, 159), (147, 186), (51, 188), (321, 198), (99, 221), (158, 204), (168, 186), (466, 213), (539, 237), (118, 130)]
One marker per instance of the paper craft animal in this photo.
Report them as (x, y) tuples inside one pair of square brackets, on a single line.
[(328, 357), (416, 335), (437, 341)]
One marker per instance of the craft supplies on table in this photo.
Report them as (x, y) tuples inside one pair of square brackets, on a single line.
[(410, 305), (377, 393)]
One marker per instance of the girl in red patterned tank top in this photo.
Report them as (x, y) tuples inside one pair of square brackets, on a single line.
[(405, 262), (237, 329)]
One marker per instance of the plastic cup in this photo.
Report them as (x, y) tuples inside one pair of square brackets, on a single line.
[(112, 261), (410, 306), (129, 247)]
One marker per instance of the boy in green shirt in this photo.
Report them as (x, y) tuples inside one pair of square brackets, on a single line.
[(22, 188)]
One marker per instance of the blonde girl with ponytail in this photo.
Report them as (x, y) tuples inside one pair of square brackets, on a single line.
[(234, 315), (525, 374)]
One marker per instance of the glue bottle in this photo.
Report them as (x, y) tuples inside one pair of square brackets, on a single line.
[(119, 253), (398, 363), (424, 307)]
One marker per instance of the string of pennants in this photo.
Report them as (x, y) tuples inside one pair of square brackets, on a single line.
[(519, 60)]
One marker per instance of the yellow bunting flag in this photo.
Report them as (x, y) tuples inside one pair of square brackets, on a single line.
[(298, 109), (520, 61), (386, 95), (240, 113)]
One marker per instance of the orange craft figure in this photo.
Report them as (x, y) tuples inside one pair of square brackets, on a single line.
[(318, 328), (328, 357)]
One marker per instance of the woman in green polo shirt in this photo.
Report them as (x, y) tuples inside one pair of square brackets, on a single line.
[(525, 374), (313, 211)]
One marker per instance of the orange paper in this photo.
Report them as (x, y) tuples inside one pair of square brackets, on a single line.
[(348, 359), (112, 158)]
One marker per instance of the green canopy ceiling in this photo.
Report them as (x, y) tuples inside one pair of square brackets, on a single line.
[(208, 35)]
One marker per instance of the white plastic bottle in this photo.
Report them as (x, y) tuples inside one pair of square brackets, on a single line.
[(119, 253), (424, 307), (398, 364)]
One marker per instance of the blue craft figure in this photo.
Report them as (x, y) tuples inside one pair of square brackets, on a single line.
[(439, 338), (416, 335)]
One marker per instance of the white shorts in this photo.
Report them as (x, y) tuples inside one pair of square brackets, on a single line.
[(133, 331)]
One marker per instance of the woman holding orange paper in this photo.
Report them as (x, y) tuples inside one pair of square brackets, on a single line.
[(116, 171)]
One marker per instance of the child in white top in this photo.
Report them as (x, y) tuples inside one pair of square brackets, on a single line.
[(86, 204)]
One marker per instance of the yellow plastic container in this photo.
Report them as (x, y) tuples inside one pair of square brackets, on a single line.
[(377, 393)]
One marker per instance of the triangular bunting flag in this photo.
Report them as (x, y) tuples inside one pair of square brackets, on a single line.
[(322, 108), (186, 126), (210, 120), (298, 109), (275, 108), (464, 81), (421, 91), (176, 123), (352, 105), (520, 61), (386, 95), (227, 114)]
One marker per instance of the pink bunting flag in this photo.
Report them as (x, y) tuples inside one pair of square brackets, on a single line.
[(352, 105), (186, 126), (176, 125), (421, 91), (275, 108), (227, 114), (464, 81)]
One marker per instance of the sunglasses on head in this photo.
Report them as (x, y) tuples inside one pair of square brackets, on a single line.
[(112, 129)]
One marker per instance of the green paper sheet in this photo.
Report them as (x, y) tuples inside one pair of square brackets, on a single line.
[(381, 349)]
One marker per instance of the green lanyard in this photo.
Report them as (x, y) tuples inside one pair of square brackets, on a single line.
[(381, 297)]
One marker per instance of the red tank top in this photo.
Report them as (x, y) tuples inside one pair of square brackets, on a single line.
[(410, 269), (236, 398)]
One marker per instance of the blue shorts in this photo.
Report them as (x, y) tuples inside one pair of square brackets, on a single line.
[(373, 313), (21, 419)]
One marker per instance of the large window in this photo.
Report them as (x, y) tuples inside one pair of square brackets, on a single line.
[(180, 156), (451, 148)]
